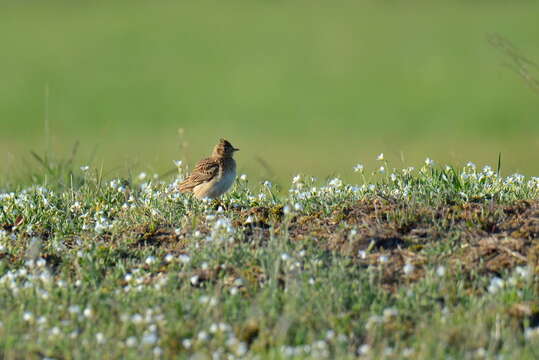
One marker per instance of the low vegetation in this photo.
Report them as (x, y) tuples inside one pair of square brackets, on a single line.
[(429, 263)]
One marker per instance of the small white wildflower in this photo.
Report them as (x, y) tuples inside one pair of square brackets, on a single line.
[(285, 257), (169, 258), (298, 207), (312, 281), (84, 168), (74, 309), (362, 254), (149, 339), (150, 260), (429, 162), (131, 341), (407, 352), (88, 313), (363, 349), (390, 313), (27, 316), (383, 259), (157, 351), (522, 271), (178, 163), (286, 210), (41, 262), (194, 280), (55, 331), (137, 319), (408, 269), (142, 176), (234, 291), (382, 169), (440, 271), (184, 258), (187, 343), (202, 336), (380, 157), (100, 338), (531, 333), (496, 284), (243, 177), (296, 179), (358, 168)]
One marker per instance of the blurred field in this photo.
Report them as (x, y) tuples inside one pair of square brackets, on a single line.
[(303, 86)]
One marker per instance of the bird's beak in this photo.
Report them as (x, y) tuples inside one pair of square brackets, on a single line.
[(236, 149)]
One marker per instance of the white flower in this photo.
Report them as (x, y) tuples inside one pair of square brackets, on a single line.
[(362, 254), (169, 258), (85, 168), (137, 319), (363, 349), (495, 284), (383, 259), (408, 269), (296, 179), (243, 177), (187, 343), (100, 338), (382, 169), (390, 313), (74, 309), (194, 280), (429, 162), (380, 157), (41, 262), (27, 316), (202, 336), (440, 271), (178, 163), (358, 168), (157, 351), (131, 341), (142, 176), (88, 312), (285, 257), (149, 339), (150, 260)]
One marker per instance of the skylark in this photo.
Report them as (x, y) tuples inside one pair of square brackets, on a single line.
[(213, 176)]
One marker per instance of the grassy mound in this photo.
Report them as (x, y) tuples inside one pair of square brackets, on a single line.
[(424, 264)]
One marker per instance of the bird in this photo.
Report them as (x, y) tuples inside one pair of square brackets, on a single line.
[(212, 176)]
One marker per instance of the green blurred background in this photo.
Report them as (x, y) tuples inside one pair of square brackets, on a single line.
[(300, 86)]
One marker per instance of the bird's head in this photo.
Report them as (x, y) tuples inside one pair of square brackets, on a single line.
[(224, 148)]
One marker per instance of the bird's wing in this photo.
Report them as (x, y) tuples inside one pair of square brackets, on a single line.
[(203, 172)]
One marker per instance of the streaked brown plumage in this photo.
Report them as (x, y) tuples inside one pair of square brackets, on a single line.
[(213, 176)]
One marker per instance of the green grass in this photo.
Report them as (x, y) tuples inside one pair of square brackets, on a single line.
[(331, 84), (427, 263)]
